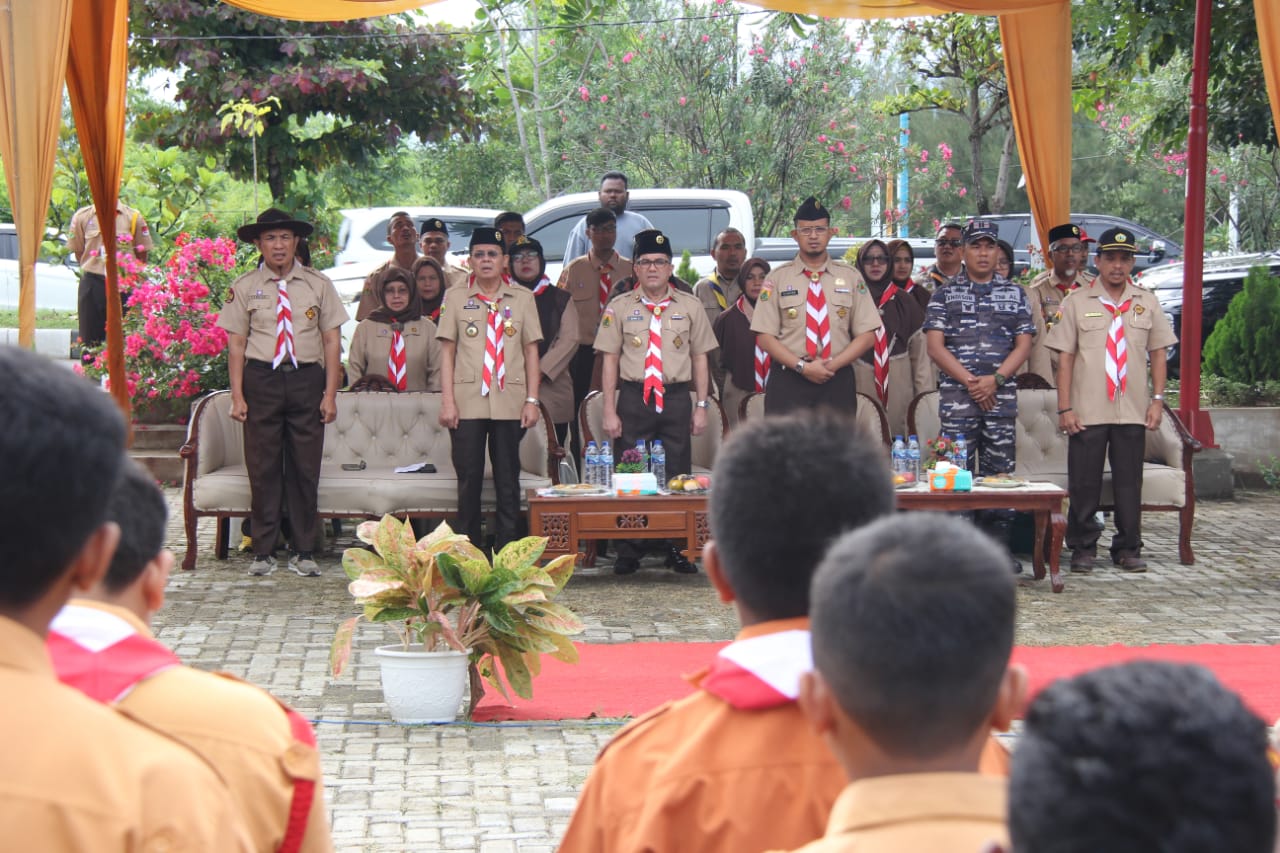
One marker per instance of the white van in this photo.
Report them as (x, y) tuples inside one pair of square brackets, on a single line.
[(690, 217)]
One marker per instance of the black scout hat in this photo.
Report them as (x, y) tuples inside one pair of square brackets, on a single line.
[(269, 220), (980, 229), (1065, 232), (649, 242), (485, 235), (811, 210), (433, 224), (1117, 240)]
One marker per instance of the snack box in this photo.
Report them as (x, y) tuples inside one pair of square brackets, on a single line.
[(635, 484), (950, 479)]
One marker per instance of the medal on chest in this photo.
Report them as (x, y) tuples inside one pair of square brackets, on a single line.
[(844, 312), (678, 341), (792, 313), (509, 326), (472, 331)]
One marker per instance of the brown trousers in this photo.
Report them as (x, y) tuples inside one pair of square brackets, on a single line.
[(283, 446), (788, 391), (503, 438), (670, 426), (1124, 445)]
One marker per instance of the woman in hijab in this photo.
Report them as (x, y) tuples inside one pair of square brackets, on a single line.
[(395, 340), (746, 366), (902, 262), (886, 370), (429, 277), (559, 321)]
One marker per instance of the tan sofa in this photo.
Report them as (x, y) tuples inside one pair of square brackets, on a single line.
[(1168, 482), (869, 417), (702, 450), (383, 430)]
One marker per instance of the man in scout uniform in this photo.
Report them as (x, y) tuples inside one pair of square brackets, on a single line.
[(101, 644), (1107, 333), (1066, 272), (74, 774), (978, 331), (814, 318), (85, 243), (719, 291), (489, 334), (653, 341), (435, 244), (402, 234), (284, 357)]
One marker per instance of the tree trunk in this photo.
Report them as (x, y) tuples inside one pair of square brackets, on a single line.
[(275, 177), (977, 176), (1002, 175)]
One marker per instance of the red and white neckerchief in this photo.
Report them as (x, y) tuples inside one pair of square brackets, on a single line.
[(396, 363), (762, 360), (284, 327), (653, 355), (760, 672), (817, 325), (495, 364), (1117, 351), (606, 284), (881, 353), (909, 285), (101, 654), (434, 316), (542, 285)]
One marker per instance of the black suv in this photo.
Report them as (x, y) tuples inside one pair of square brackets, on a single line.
[(1223, 279), (1017, 230)]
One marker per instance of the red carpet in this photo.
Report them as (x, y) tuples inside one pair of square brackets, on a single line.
[(628, 679)]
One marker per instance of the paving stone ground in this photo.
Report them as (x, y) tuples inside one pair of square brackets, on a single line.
[(508, 787)]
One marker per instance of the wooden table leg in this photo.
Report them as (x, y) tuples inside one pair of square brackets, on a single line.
[(1059, 522), (1038, 550)]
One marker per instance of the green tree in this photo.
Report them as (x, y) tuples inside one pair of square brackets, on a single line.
[(348, 91), (1245, 344)]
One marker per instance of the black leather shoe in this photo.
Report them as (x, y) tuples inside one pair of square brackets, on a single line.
[(1081, 563), (625, 565), (1131, 563), (679, 563), (1015, 565)]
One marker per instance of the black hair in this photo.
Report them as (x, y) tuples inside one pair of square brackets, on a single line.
[(400, 214), (1008, 253), (715, 244), (1144, 756), (61, 449), (139, 507), (615, 176), (601, 216), (912, 621), (785, 488), (946, 226), (507, 216)]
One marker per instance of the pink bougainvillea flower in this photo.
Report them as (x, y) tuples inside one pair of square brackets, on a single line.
[(604, 99), (846, 202), (683, 100), (627, 57), (584, 93), (822, 137)]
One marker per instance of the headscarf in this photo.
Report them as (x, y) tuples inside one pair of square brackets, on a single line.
[(383, 314), (892, 247), (551, 302), (751, 264), (862, 266), (432, 306)]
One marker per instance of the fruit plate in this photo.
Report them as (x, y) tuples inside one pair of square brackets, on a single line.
[(1000, 482), (579, 490), (906, 487)]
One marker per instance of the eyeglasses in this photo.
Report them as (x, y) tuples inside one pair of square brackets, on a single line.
[(942, 241), (812, 230), (876, 259), (1079, 249), (651, 263), (486, 255), (525, 256)]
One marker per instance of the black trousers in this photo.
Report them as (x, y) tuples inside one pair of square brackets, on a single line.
[(91, 308), (790, 392), (670, 426), (503, 439), (1125, 445), (283, 446), (580, 369)]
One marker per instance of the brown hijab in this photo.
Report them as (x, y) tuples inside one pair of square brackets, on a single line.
[(383, 314), (430, 308)]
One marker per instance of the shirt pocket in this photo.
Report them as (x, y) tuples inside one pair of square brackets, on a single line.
[(1093, 332), (262, 313), (678, 327), (1138, 330)]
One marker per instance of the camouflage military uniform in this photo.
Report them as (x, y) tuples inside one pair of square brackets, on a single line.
[(980, 324)]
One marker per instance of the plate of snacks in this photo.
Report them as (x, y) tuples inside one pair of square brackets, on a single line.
[(689, 484), (579, 490), (1000, 481)]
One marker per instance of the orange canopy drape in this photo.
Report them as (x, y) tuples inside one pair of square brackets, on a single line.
[(1267, 13), (97, 81), (327, 10), (33, 55)]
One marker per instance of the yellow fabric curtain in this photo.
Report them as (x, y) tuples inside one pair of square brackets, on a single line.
[(33, 58), (97, 77), (327, 10), (1268, 14)]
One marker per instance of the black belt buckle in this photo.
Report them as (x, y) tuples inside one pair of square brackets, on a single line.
[(287, 367)]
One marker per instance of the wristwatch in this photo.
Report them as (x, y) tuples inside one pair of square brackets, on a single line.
[(1159, 397), (799, 368), (533, 400), (703, 404), (1000, 379)]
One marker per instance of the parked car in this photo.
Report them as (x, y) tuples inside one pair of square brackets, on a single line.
[(1223, 279), (1017, 230), (779, 250), (57, 284), (690, 217)]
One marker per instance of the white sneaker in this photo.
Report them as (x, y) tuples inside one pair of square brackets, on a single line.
[(262, 566), (304, 566)]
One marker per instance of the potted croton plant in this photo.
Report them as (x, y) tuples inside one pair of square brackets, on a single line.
[(458, 616)]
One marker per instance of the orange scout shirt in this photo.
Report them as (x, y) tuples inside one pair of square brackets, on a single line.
[(700, 775), (76, 775)]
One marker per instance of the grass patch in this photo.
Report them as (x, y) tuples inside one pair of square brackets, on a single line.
[(46, 318)]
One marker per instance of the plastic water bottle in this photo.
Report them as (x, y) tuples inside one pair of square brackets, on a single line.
[(913, 456), (606, 466), (591, 465), (643, 450), (961, 459), (658, 464), (899, 455)]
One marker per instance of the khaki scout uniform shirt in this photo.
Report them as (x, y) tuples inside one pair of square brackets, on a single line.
[(1045, 299), (780, 310), (462, 320), (624, 329), (250, 310), (913, 812), (241, 731), (369, 298), (581, 277), (1083, 331), (707, 295), (76, 775), (456, 276), (86, 238), (371, 348)]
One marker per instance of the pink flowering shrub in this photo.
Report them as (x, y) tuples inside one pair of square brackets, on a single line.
[(173, 348)]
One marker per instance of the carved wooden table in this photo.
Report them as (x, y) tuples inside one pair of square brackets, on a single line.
[(1043, 500), (568, 521)]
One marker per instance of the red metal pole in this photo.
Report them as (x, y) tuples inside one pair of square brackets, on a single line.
[(1196, 419)]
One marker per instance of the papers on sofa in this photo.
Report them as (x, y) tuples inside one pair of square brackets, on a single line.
[(423, 467)]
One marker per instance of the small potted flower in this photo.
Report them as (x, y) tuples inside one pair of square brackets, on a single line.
[(939, 449), (631, 462)]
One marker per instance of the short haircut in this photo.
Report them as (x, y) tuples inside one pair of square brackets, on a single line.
[(615, 176), (1144, 756), (507, 216), (786, 487), (725, 232), (400, 214), (139, 507), (61, 448), (601, 216), (913, 620), (947, 226)]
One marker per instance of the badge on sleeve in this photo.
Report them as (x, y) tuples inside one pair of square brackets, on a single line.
[(231, 296), (607, 319), (767, 293)]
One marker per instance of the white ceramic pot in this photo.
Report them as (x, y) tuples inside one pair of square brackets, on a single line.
[(422, 687)]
